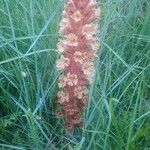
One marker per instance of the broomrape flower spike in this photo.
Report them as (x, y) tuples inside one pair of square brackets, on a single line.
[(77, 47)]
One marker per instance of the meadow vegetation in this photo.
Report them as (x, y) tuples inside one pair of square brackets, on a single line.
[(118, 114)]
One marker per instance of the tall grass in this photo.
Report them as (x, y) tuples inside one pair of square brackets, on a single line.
[(117, 117)]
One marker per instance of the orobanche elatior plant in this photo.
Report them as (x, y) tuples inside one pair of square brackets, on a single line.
[(77, 47)]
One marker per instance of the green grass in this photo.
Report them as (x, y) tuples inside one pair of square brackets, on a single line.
[(117, 117)]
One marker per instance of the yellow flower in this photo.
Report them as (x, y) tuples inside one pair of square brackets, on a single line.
[(77, 16)]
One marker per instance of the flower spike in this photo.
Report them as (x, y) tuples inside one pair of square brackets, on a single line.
[(77, 49)]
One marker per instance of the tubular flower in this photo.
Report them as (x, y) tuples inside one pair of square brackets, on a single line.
[(63, 97), (61, 47), (62, 81), (71, 39), (80, 92), (77, 16), (77, 48), (79, 57), (62, 63), (72, 79)]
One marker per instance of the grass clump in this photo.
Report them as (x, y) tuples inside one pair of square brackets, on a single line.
[(117, 116)]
